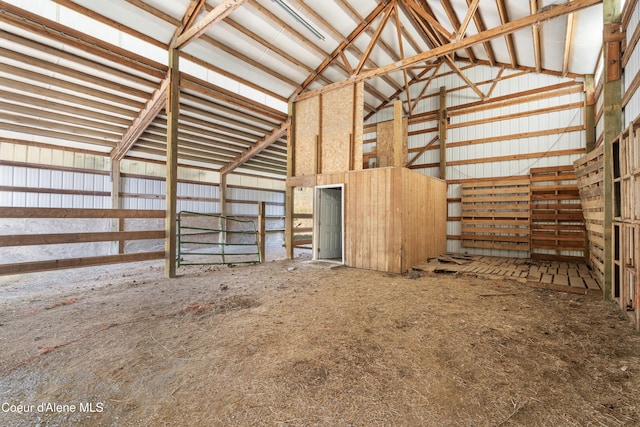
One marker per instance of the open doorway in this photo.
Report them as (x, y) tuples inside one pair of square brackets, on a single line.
[(328, 236)]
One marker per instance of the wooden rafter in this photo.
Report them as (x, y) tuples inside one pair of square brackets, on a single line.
[(341, 47), (429, 18), (216, 15), (257, 148), (422, 150), (346, 66), (159, 97), (495, 82), (452, 65), (415, 14), (568, 38), (52, 30), (504, 18), (401, 48), (438, 52), (101, 18), (374, 39), (479, 22), (426, 86), (535, 32), (453, 18), (144, 119), (471, 12), (458, 71)]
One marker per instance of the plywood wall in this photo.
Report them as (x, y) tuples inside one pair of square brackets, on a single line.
[(337, 130), (306, 132), (328, 132), (385, 147)]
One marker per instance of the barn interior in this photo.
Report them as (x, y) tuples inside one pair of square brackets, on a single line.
[(278, 212)]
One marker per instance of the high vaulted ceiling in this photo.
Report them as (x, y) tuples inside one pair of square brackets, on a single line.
[(92, 75)]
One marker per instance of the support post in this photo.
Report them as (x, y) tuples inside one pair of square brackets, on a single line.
[(173, 113), (262, 206), (398, 135), (117, 224), (612, 94), (288, 197), (222, 223), (589, 112), (442, 132)]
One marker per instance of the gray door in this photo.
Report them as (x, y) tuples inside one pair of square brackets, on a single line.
[(329, 223)]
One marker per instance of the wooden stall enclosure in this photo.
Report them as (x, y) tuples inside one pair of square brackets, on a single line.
[(394, 218)]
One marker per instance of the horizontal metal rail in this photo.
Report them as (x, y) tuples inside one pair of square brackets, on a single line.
[(221, 227)]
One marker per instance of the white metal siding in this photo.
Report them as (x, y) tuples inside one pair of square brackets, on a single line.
[(632, 68)]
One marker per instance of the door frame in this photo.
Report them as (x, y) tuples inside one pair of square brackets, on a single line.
[(316, 217)]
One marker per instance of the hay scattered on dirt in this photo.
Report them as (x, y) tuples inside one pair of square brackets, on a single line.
[(276, 345)]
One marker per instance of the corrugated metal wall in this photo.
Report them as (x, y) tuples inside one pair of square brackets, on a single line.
[(632, 69), (522, 134), (48, 178), (59, 174)]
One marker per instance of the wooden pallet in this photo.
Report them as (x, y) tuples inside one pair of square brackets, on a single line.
[(590, 174), (495, 214), (557, 224), (565, 276)]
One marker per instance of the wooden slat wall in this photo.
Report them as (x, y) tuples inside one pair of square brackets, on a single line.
[(424, 218), (626, 222), (495, 214), (557, 222), (590, 178), (394, 218)]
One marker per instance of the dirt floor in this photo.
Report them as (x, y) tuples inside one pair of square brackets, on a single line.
[(291, 343)]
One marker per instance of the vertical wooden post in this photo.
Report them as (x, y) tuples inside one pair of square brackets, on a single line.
[(288, 198), (612, 94), (442, 132), (398, 137), (354, 126), (173, 113), (222, 223), (262, 230), (116, 224), (589, 112), (319, 138)]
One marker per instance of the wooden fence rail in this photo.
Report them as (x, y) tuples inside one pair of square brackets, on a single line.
[(85, 237)]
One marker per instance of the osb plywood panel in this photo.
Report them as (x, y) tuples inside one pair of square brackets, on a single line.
[(424, 217), (337, 129), (384, 143), (335, 120), (306, 131)]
